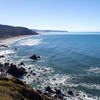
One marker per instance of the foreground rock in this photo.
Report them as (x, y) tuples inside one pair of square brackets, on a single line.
[(12, 69), (2, 56), (14, 89), (16, 72)]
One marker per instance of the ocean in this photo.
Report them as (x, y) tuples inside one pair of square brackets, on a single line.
[(68, 61)]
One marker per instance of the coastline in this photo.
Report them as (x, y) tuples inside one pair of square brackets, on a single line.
[(67, 96), (12, 39), (15, 82)]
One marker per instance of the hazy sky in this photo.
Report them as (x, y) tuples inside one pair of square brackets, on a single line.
[(72, 15)]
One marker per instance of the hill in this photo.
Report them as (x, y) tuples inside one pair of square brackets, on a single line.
[(14, 89), (7, 31)]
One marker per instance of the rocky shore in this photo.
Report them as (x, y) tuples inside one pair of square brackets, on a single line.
[(13, 88)]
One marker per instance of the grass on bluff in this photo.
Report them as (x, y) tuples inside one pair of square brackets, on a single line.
[(14, 89)]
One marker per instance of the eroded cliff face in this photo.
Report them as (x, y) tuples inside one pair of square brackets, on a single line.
[(15, 89)]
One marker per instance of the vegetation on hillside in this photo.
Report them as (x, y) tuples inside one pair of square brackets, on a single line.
[(15, 89), (10, 31)]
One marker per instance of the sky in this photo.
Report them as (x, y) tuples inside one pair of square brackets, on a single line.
[(71, 15)]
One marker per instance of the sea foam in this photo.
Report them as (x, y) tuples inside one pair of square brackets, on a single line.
[(29, 42), (94, 70), (5, 52)]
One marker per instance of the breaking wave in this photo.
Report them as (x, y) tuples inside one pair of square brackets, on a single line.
[(5, 52), (94, 70), (29, 42)]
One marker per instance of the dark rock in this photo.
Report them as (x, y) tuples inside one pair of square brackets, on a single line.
[(21, 64), (49, 89), (16, 72), (58, 91), (4, 67), (38, 57), (6, 64), (38, 68), (54, 79), (22, 70), (1, 65), (2, 45), (2, 56), (4, 78), (46, 93), (8, 60), (33, 80), (34, 73), (77, 94), (71, 93), (29, 75), (83, 95), (1, 70), (31, 72), (34, 57), (59, 94)]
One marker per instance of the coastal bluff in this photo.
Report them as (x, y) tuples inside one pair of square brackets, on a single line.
[(15, 89), (7, 31)]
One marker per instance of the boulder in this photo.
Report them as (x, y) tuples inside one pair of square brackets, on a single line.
[(2, 56), (71, 93), (34, 57), (34, 73), (3, 45), (6, 64), (21, 64), (16, 72), (48, 88)]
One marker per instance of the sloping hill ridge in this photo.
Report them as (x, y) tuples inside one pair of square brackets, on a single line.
[(15, 89), (10, 31)]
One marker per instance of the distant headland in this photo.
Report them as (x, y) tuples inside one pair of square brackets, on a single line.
[(7, 31), (44, 31)]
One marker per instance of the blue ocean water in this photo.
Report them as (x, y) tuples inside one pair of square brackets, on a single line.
[(68, 61)]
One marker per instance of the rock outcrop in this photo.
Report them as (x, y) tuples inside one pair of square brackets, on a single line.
[(35, 57), (12, 69), (15, 71)]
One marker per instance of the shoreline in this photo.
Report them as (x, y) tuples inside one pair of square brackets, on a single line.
[(13, 39), (16, 38)]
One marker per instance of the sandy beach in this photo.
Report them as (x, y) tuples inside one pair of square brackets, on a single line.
[(12, 39)]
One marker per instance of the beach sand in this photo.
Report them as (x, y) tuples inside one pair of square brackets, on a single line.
[(12, 39)]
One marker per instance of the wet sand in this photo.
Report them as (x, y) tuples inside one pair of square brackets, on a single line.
[(12, 39)]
